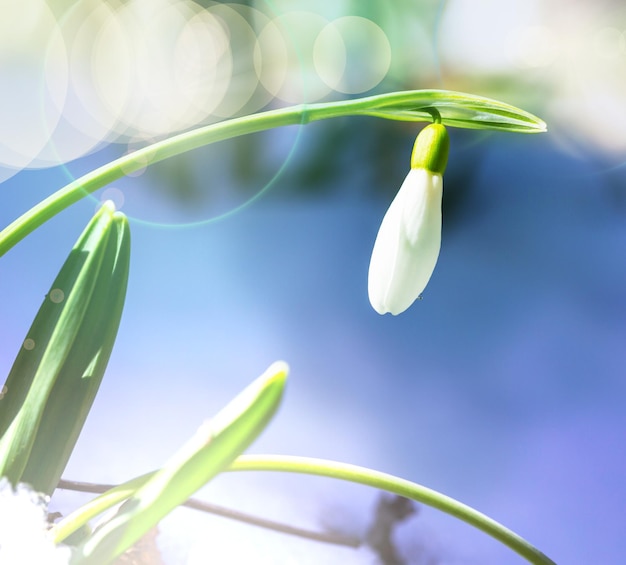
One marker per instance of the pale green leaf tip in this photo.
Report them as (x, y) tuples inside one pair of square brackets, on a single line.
[(276, 373), (275, 378), (109, 205), (120, 216)]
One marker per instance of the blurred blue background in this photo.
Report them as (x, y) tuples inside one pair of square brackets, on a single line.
[(504, 387)]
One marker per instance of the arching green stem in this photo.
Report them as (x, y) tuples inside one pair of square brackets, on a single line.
[(324, 468), (455, 109), (401, 487)]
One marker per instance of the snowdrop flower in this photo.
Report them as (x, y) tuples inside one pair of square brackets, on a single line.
[(409, 238), (24, 538)]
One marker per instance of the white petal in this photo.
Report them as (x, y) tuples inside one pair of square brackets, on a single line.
[(408, 243)]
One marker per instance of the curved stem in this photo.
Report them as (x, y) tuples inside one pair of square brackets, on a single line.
[(137, 160), (456, 109), (401, 487), (324, 468)]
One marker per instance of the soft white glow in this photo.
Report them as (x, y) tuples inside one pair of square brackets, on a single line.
[(30, 107), (99, 72), (23, 528)]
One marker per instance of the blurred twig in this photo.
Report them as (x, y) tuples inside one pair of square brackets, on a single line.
[(332, 538), (390, 511)]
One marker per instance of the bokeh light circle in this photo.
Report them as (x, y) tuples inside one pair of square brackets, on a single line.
[(31, 107), (56, 295), (352, 54), (284, 57), (175, 66), (138, 71), (245, 95), (83, 126)]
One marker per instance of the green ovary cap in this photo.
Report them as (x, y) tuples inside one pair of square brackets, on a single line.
[(431, 149)]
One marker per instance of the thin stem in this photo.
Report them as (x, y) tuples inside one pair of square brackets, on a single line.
[(456, 109), (165, 149), (324, 468), (75, 520), (401, 487), (137, 160), (435, 114)]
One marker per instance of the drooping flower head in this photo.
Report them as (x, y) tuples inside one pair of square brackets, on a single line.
[(408, 241)]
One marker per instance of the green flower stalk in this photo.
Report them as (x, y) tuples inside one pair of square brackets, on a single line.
[(408, 241), (456, 109)]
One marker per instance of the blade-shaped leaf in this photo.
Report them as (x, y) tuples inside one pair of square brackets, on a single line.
[(50, 349), (214, 446), (456, 109), (78, 381)]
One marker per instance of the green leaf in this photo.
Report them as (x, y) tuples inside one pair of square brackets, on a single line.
[(79, 379), (455, 109), (57, 372), (214, 446)]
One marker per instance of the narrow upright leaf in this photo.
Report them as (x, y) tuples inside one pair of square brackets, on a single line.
[(56, 374)]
